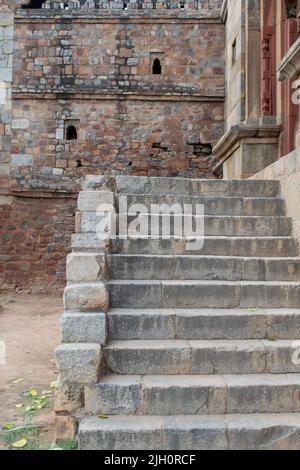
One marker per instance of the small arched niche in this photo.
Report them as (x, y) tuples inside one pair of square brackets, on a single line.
[(71, 132), (156, 66)]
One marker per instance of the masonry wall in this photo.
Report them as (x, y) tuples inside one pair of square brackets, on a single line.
[(128, 119), (235, 63), (35, 234), (6, 59), (93, 69)]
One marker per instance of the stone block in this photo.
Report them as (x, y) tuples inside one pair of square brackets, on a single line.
[(121, 433), (99, 182), (78, 363), (86, 267), (184, 395), (114, 395), (148, 357), (90, 201), (91, 297), (68, 398), (195, 433), (65, 428), (83, 328), (227, 357)]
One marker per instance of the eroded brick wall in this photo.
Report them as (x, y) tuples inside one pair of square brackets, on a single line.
[(35, 236)]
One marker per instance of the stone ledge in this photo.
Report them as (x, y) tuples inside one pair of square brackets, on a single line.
[(289, 67), (227, 145)]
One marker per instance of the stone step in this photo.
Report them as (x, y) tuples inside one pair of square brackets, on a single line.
[(203, 294), (137, 267), (207, 432), (236, 206), (194, 394), (261, 226), (191, 357), (189, 187), (217, 246), (131, 324)]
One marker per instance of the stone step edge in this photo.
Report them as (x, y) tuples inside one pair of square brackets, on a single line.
[(205, 311), (181, 381), (177, 432)]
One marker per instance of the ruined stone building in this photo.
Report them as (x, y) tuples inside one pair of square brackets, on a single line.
[(161, 102), (88, 87)]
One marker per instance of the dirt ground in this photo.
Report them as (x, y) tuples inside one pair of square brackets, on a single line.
[(29, 327)]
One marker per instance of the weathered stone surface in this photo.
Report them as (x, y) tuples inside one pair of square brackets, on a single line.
[(217, 246), (259, 393), (264, 432), (227, 357), (237, 432), (65, 428), (95, 200), (221, 324), (171, 395), (89, 242), (114, 395), (121, 432), (194, 433), (215, 205), (139, 294), (199, 294), (78, 363), (68, 398), (83, 328), (148, 357), (86, 267), (83, 297), (99, 182), (141, 324)]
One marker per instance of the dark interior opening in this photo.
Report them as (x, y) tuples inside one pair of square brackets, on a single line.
[(34, 4), (71, 133), (156, 69)]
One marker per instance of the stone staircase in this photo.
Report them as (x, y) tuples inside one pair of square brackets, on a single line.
[(202, 348)]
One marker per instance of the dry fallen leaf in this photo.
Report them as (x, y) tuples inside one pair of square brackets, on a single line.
[(7, 426), (19, 444)]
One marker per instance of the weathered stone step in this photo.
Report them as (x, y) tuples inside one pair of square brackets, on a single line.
[(236, 206), (203, 294), (261, 226), (137, 267), (185, 357), (194, 394), (186, 187), (131, 324), (235, 432), (217, 246)]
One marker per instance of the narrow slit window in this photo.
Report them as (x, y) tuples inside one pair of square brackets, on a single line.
[(233, 52), (156, 69)]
